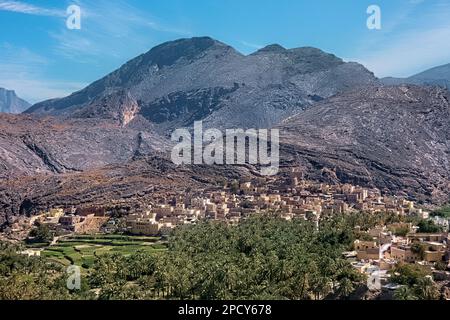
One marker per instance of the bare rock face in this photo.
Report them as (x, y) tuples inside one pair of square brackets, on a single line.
[(181, 81), (119, 106), (393, 138), (30, 145), (11, 103)]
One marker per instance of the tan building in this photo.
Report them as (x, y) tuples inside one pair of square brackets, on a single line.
[(55, 213), (71, 222), (435, 252), (146, 228), (431, 237), (367, 250), (404, 253), (143, 224)]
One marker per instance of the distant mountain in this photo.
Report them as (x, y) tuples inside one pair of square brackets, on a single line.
[(394, 138), (179, 82), (438, 76), (11, 103)]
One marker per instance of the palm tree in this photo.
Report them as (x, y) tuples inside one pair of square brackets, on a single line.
[(426, 290), (346, 287), (404, 293)]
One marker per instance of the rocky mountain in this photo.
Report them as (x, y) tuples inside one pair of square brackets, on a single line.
[(11, 103), (396, 138), (438, 76), (30, 145), (179, 82), (135, 183), (108, 142)]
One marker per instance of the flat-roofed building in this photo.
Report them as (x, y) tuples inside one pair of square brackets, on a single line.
[(404, 253)]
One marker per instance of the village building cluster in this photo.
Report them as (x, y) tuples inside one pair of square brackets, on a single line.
[(290, 198)]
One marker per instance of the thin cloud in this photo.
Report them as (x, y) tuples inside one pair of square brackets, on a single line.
[(104, 39), (35, 89), (24, 71), (106, 30), (403, 50), (22, 7), (411, 53)]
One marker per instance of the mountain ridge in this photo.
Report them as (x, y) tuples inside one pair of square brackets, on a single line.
[(436, 76), (11, 103), (337, 122), (186, 80)]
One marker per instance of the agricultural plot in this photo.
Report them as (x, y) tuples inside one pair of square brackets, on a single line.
[(83, 250)]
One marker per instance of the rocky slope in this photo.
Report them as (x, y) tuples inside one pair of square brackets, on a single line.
[(30, 145), (11, 103), (438, 76), (393, 138), (138, 182), (179, 82), (108, 142)]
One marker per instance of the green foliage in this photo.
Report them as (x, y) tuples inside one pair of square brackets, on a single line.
[(32, 278), (443, 212), (428, 226), (404, 293), (419, 249), (235, 187), (264, 257), (408, 274), (427, 290), (416, 281), (41, 234), (83, 250), (441, 266), (261, 257), (364, 237), (401, 231)]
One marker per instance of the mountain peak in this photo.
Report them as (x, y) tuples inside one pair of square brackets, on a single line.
[(201, 43), (11, 103), (182, 81), (272, 48), (4, 91), (437, 73), (168, 53), (302, 54), (311, 52)]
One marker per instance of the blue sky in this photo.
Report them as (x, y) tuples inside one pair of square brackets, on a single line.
[(40, 58)]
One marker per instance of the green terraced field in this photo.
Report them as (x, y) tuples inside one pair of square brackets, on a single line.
[(83, 250)]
